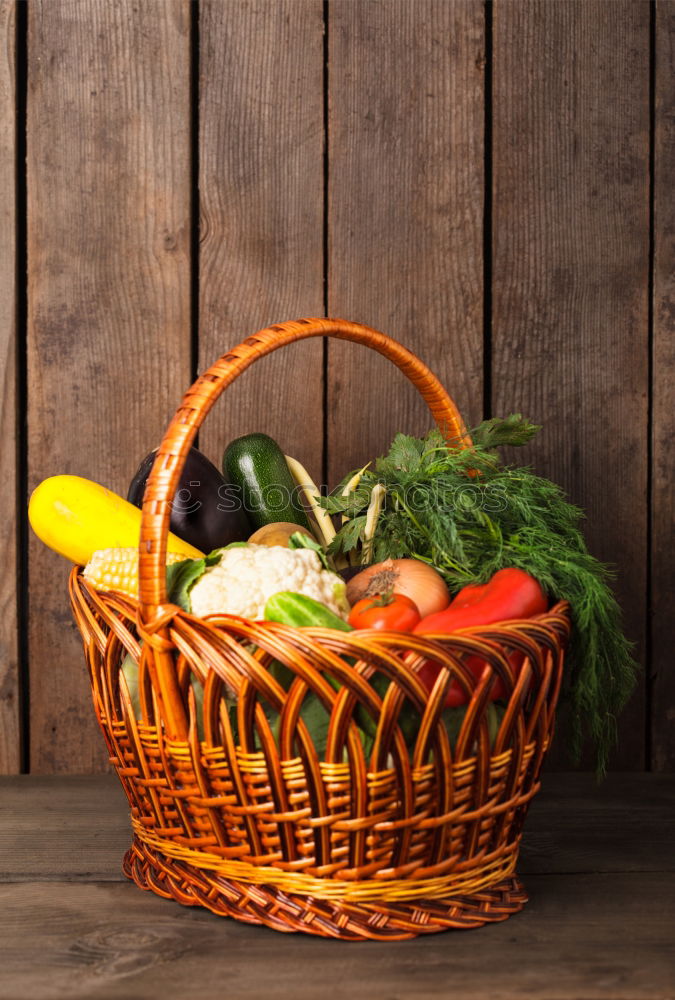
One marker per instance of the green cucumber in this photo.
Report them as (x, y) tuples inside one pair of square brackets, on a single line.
[(302, 611), (256, 465)]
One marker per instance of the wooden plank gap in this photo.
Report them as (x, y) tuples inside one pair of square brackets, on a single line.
[(22, 577), (487, 215), (195, 228), (194, 193), (648, 685), (326, 232), (661, 675), (10, 693)]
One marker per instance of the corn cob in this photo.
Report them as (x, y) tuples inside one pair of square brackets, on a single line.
[(117, 569)]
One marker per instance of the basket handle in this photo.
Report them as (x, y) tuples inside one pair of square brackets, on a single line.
[(199, 399)]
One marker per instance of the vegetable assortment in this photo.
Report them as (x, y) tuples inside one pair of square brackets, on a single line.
[(428, 539), (240, 579), (468, 515)]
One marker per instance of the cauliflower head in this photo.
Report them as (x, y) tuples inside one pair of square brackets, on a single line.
[(246, 577)]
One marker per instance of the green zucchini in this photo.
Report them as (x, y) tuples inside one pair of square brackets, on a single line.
[(256, 465)]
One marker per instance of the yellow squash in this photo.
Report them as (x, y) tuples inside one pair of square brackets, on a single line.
[(77, 517)]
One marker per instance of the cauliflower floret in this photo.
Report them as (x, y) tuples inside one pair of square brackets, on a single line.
[(248, 575)]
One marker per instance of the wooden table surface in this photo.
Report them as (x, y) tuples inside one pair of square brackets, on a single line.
[(598, 863)]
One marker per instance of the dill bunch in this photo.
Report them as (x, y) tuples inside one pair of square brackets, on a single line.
[(469, 526)]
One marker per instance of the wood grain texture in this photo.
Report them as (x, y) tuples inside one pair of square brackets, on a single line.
[(261, 213), (405, 211), (63, 827), (663, 388), (623, 824), (105, 941), (109, 292), (10, 729), (570, 274)]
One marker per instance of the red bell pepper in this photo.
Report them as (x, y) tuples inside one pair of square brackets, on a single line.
[(510, 593)]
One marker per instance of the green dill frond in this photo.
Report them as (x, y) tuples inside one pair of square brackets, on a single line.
[(469, 516)]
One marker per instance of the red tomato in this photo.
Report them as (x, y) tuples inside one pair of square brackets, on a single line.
[(394, 612)]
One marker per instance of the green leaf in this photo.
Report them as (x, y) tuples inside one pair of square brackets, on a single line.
[(350, 505), (181, 576), (348, 536), (317, 720), (511, 430), (281, 673), (405, 455)]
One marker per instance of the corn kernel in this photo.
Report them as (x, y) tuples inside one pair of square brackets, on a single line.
[(117, 569)]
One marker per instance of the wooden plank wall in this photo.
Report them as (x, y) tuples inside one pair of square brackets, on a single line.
[(405, 198), (261, 147), (489, 183), (108, 293), (570, 270)]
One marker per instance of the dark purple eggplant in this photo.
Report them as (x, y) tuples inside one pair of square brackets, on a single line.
[(205, 510), (347, 572)]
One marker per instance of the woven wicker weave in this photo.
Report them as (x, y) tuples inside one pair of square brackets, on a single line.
[(252, 822)]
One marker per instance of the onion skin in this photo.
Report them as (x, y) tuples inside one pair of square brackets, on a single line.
[(411, 577)]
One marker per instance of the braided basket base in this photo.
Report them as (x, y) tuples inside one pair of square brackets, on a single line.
[(286, 912)]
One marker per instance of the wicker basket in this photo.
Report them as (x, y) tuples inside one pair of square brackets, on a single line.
[(263, 828)]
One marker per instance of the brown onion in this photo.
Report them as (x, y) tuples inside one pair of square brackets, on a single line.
[(417, 580)]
